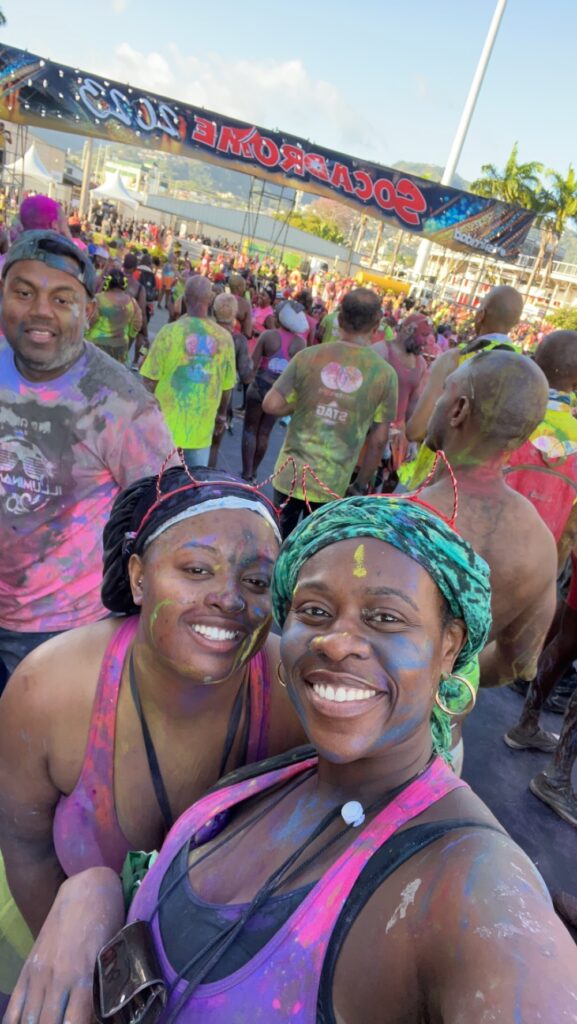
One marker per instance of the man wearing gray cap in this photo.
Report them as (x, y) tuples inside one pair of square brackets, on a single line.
[(75, 428)]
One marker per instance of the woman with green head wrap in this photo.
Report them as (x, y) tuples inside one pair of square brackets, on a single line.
[(424, 536), (363, 882)]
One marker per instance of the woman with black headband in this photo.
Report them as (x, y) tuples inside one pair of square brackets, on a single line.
[(366, 884), (109, 732)]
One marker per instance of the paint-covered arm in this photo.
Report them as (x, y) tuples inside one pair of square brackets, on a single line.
[(55, 983), (416, 426), (246, 321), (376, 442), (495, 949), (243, 362), (275, 404), (135, 321), (220, 419), (257, 353), (141, 300), (28, 796)]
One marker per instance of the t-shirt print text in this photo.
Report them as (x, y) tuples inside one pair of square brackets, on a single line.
[(27, 476)]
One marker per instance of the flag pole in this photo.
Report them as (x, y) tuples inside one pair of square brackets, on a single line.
[(461, 134)]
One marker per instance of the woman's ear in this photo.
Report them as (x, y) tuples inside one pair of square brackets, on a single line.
[(454, 638), (136, 577)]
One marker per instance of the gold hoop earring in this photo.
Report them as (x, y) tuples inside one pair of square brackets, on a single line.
[(472, 692), (278, 675)]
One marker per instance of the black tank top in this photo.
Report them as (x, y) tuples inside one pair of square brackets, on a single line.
[(188, 924)]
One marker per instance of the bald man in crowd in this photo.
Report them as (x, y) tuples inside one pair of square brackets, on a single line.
[(496, 316), (237, 285), (488, 408), (191, 370)]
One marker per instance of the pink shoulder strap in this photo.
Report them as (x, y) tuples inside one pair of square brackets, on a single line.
[(436, 782), (97, 773), (86, 827)]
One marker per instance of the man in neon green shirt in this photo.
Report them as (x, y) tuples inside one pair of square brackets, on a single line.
[(191, 370), (330, 330)]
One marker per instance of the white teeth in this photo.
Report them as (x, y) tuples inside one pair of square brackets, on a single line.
[(212, 633), (342, 693)]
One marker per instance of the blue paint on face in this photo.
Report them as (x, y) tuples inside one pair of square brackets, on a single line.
[(384, 629)]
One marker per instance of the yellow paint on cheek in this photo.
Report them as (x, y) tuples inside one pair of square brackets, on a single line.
[(359, 557), (157, 611)]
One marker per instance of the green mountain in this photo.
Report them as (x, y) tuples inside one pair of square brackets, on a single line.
[(431, 171)]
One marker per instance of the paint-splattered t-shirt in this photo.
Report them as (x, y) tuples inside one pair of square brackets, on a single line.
[(547, 464), (338, 391), (118, 319), (193, 361), (67, 447)]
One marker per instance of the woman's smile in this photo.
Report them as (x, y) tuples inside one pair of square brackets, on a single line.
[(217, 635)]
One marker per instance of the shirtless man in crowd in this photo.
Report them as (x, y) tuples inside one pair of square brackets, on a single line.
[(489, 406), (497, 314)]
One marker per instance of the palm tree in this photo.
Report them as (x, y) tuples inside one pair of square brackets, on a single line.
[(516, 183), (543, 210), (2, 17), (562, 202)]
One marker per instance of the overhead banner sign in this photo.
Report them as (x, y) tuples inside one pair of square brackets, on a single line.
[(45, 94)]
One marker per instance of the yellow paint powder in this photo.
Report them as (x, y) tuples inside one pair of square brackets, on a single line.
[(360, 570)]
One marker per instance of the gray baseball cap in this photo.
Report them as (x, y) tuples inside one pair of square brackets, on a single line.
[(55, 251)]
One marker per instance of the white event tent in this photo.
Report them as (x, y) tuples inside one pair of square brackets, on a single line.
[(30, 166), (114, 190)]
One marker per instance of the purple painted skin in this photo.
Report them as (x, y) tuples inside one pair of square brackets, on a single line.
[(87, 832), (281, 982)]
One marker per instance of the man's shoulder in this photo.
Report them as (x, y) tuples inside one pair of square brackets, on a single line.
[(102, 371), (172, 332), (372, 358)]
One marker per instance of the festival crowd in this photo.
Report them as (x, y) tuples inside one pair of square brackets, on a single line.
[(231, 716)]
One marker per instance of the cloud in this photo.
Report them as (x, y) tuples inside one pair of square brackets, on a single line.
[(270, 93)]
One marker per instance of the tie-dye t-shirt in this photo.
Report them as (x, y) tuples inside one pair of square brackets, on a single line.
[(338, 391), (193, 361), (67, 447)]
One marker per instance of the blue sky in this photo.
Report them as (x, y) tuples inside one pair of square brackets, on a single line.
[(377, 79)]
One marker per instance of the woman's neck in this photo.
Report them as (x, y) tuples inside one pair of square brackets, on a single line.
[(372, 777), (174, 694)]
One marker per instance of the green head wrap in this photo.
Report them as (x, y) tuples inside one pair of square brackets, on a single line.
[(460, 574)]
